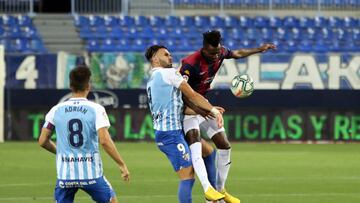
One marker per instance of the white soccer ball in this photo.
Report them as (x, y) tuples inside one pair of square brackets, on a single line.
[(242, 85)]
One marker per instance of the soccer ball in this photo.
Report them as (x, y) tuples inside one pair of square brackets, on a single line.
[(242, 85)]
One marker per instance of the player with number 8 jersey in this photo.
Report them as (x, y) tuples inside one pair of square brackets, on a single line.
[(80, 126)]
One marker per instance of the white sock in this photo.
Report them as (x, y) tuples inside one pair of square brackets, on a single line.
[(223, 166), (199, 165)]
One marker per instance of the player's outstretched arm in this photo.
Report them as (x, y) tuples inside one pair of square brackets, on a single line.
[(201, 102), (241, 53), (45, 142), (109, 146)]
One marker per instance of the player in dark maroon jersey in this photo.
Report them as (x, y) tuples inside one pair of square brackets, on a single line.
[(200, 69)]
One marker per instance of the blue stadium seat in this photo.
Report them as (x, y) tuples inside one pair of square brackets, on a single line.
[(320, 46), (275, 22), (81, 21), (186, 21), (108, 45), (126, 21), (111, 21), (217, 21), (14, 32), (92, 45), (37, 45), (305, 46), (350, 22), (156, 21), (201, 21), (246, 21), (96, 21), (261, 21), (101, 32), (231, 21), (335, 22), (30, 33), (9, 21), (141, 21), (116, 32), (86, 32), (172, 21), (290, 21), (138, 45), (290, 46), (24, 21), (305, 22), (321, 22), (123, 45)]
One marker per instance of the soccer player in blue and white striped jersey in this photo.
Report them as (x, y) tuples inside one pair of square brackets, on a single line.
[(164, 89), (80, 126)]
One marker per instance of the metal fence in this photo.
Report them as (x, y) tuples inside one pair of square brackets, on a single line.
[(98, 6), (18, 6)]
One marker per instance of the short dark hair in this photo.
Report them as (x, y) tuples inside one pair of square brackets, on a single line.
[(151, 51), (212, 37), (79, 78)]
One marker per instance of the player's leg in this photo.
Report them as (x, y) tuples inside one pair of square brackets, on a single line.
[(178, 153), (209, 156), (192, 136), (223, 162), (63, 194), (100, 190)]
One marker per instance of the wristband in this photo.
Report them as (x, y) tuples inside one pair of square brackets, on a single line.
[(214, 111)]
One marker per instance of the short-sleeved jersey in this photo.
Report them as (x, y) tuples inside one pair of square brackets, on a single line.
[(165, 99), (200, 71), (76, 123)]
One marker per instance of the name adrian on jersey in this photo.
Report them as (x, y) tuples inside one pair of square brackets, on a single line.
[(76, 109)]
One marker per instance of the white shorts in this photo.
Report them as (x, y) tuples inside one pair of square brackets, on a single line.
[(198, 122)]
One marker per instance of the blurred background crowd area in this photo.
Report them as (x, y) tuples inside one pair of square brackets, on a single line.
[(75, 26)]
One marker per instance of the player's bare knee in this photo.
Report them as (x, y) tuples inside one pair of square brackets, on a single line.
[(192, 136), (221, 141)]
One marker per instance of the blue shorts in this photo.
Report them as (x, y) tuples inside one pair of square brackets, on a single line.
[(173, 144), (99, 189)]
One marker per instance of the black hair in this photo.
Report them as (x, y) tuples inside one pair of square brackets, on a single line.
[(79, 78), (151, 51), (212, 37)]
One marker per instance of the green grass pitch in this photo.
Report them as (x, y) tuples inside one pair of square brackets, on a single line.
[(271, 173)]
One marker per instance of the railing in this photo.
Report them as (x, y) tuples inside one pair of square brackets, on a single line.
[(18, 6), (98, 6)]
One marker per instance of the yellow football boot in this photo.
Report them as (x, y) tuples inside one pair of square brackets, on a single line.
[(212, 195), (229, 198)]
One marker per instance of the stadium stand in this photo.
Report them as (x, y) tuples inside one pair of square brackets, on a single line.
[(19, 35), (182, 33)]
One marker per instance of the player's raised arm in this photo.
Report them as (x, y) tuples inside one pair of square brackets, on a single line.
[(109, 146), (201, 102), (241, 53)]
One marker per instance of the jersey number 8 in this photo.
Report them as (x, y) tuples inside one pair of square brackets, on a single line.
[(76, 137)]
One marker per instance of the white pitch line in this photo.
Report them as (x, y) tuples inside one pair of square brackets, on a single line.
[(175, 180), (174, 196)]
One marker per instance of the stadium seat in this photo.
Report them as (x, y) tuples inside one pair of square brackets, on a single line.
[(231, 21), (217, 21), (261, 21), (275, 22), (246, 21), (172, 21), (141, 21), (111, 21), (321, 22), (96, 21), (201, 21), (92, 45), (156, 21), (81, 21), (306, 22)]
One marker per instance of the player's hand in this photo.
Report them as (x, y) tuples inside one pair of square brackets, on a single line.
[(221, 109), (125, 174), (267, 46), (218, 115)]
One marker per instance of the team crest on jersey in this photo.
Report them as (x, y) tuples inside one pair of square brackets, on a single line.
[(186, 156), (187, 72)]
